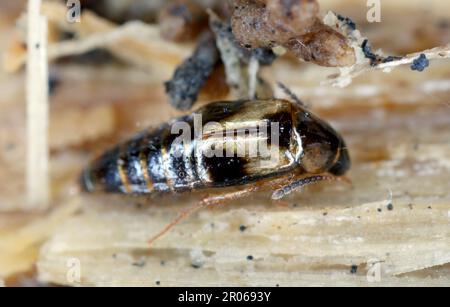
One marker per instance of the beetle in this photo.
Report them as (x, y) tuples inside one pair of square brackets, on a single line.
[(151, 161), (307, 149)]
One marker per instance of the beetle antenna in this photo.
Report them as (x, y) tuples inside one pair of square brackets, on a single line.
[(288, 189), (289, 93)]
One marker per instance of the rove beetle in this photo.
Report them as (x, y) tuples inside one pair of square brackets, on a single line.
[(307, 149)]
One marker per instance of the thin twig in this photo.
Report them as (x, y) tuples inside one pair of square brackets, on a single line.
[(37, 167)]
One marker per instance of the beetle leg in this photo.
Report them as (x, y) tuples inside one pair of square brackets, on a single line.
[(291, 95), (281, 203)]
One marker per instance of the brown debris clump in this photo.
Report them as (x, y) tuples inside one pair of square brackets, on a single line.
[(294, 25), (182, 20)]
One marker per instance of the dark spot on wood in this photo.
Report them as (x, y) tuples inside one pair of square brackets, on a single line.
[(250, 258), (325, 213), (354, 269), (162, 263), (67, 35), (443, 24), (390, 207), (53, 83), (242, 228), (181, 10), (139, 264), (379, 210), (139, 206), (158, 283), (10, 146), (95, 57)]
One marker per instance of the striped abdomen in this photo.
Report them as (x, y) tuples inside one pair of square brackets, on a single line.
[(140, 166)]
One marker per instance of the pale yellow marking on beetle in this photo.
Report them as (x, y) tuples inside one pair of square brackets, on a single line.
[(123, 176), (144, 167), (166, 162)]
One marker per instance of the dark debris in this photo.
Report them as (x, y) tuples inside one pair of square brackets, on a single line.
[(443, 24), (139, 264), (374, 58), (350, 23), (190, 76), (53, 83), (265, 56), (96, 57), (10, 146), (420, 63)]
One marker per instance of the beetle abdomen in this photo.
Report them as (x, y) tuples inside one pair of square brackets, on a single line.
[(132, 167)]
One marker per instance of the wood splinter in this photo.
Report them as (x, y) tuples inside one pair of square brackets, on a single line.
[(37, 170)]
